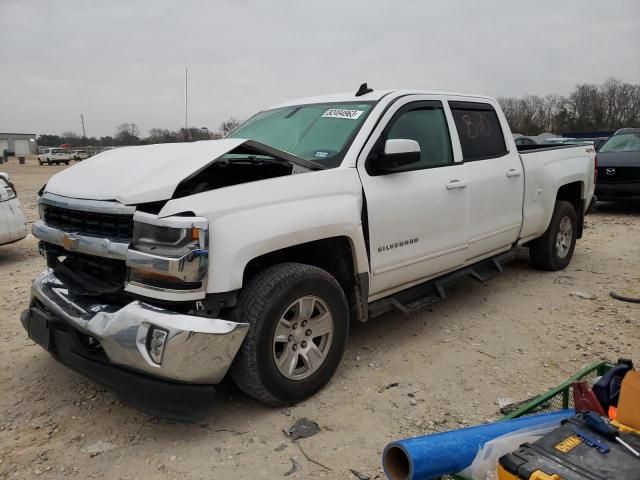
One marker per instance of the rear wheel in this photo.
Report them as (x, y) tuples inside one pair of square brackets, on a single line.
[(67, 162), (554, 250), (299, 322)]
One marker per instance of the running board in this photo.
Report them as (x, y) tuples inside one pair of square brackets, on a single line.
[(416, 298)]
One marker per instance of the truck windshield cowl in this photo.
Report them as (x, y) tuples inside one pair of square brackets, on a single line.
[(321, 133)]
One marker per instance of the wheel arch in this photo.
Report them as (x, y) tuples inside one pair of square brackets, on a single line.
[(336, 255), (574, 193)]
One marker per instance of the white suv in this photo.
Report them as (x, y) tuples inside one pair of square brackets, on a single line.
[(80, 155)]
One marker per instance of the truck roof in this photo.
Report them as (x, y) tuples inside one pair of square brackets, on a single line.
[(372, 96)]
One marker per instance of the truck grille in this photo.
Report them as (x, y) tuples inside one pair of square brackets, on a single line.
[(86, 274), (106, 225), (618, 174)]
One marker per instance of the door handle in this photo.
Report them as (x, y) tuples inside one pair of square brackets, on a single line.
[(453, 184), (512, 172)]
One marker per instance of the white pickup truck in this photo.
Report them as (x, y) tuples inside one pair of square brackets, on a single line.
[(170, 266), (56, 156)]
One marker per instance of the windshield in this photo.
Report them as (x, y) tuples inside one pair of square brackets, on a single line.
[(320, 132), (624, 142)]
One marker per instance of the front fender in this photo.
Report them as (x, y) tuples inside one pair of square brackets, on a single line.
[(239, 238)]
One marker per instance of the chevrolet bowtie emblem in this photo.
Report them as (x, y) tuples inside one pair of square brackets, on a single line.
[(68, 241)]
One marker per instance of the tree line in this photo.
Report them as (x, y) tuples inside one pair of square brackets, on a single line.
[(588, 108), (129, 134)]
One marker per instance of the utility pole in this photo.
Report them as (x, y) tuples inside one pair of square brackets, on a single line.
[(186, 103), (84, 134)]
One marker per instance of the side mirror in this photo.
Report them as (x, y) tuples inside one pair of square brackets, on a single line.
[(397, 153)]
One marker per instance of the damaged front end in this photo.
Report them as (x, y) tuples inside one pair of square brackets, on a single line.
[(119, 300)]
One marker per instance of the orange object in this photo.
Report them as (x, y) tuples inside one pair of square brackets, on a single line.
[(629, 402), (613, 412)]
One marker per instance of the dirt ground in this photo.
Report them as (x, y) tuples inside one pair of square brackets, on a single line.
[(515, 336)]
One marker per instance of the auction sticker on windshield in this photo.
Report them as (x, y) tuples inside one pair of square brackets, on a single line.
[(342, 113)]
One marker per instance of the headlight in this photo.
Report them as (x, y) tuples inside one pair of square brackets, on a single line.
[(168, 255), (175, 237)]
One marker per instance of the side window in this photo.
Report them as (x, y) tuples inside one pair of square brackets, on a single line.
[(479, 130), (426, 125)]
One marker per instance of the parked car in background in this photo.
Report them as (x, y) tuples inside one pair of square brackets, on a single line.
[(568, 141), (80, 155), (13, 224), (619, 166), (55, 155), (596, 141), (555, 141), (524, 140)]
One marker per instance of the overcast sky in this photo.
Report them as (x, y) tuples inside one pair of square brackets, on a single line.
[(124, 61)]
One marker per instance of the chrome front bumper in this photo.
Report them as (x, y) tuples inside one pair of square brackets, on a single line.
[(197, 349)]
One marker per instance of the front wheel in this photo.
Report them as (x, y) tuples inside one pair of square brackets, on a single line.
[(299, 322), (553, 251)]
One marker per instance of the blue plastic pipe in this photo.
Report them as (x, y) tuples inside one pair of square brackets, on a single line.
[(430, 456)]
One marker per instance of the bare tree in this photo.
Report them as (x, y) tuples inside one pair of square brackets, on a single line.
[(588, 108), (228, 126), (127, 134)]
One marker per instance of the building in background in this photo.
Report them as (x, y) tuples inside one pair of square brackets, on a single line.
[(19, 143)]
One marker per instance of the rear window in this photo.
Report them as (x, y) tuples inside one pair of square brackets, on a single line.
[(479, 130)]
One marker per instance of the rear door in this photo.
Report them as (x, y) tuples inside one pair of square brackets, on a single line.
[(496, 177), (417, 215)]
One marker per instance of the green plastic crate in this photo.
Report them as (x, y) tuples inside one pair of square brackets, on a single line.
[(560, 397)]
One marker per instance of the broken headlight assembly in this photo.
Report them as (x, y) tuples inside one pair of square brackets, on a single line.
[(168, 254)]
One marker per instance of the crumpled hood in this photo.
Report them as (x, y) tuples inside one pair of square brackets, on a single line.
[(133, 175)]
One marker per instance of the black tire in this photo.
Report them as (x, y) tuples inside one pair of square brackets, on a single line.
[(262, 303), (48, 162), (545, 253), (67, 162)]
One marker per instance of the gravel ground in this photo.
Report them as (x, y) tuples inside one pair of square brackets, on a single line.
[(442, 368)]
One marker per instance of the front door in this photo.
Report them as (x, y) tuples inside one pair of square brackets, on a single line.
[(417, 214)]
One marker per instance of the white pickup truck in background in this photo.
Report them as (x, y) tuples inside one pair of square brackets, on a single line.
[(169, 266), (55, 156)]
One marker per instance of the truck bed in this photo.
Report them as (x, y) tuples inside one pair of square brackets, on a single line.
[(546, 168), (524, 149)]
